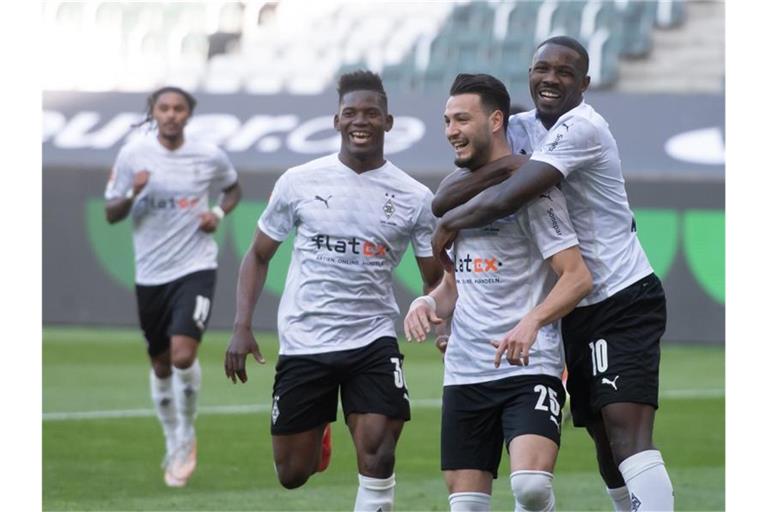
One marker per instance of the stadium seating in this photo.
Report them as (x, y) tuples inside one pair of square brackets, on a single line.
[(299, 47)]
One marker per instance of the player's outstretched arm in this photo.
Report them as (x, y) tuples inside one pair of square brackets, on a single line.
[(250, 283), (573, 284), (462, 184), (498, 201)]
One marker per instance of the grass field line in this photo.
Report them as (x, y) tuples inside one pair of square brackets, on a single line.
[(427, 403)]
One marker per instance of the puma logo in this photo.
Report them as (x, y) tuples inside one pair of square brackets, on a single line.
[(612, 383), (324, 200)]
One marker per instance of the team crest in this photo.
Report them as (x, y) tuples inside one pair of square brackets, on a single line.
[(389, 206)]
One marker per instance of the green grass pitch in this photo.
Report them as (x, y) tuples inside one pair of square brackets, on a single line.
[(113, 463)]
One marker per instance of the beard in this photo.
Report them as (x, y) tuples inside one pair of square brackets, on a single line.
[(478, 158), (471, 162)]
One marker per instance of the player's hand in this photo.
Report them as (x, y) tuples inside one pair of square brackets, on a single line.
[(140, 180), (208, 222), (442, 239), (419, 321), (241, 344), (441, 342), (517, 343)]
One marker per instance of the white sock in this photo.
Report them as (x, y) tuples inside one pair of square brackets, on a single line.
[(648, 482), (374, 494), (533, 491), (469, 502), (186, 387), (161, 391), (620, 498)]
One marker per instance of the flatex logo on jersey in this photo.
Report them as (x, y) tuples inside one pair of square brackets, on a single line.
[(349, 250), (168, 202), (477, 269)]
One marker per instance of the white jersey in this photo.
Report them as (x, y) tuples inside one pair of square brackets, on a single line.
[(581, 147), (351, 232), (501, 275), (167, 240)]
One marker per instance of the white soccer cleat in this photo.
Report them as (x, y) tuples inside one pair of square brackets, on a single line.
[(168, 477), (172, 481), (182, 464)]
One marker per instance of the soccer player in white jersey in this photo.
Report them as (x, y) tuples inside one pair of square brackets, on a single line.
[(511, 282), (612, 339), (163, 180), (354, 214)]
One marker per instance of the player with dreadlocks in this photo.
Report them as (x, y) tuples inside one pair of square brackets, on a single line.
[(163, 181), (355, 214)]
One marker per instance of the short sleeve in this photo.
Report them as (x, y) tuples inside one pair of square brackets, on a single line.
[(549, 223), (121, 177), (571, 144), (279, 217), (226, 176), (421, 236)]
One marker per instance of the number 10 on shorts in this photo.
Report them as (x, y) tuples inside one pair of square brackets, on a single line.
[(599, 350)]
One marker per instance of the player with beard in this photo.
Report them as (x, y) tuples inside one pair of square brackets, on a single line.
[(354, 214), (163, 181), (612, 338), (511, 282)]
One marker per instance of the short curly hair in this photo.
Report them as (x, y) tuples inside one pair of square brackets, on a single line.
[(361, 80)]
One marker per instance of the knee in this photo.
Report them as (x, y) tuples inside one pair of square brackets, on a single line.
[(161, 368), (533, 490), (290, 477), (377, 464), (625, 443), (183, 356)]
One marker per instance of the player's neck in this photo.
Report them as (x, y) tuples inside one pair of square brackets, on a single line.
[(171, 143), (499, 149), (361, 165)]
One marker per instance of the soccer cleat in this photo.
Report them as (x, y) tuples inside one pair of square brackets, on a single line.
[(325, 449), (183, 463), (170, 480)]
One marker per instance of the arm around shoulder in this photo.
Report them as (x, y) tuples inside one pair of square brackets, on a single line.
[(462, 184)]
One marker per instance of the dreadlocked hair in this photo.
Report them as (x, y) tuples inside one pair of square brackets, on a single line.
[(152, 99)]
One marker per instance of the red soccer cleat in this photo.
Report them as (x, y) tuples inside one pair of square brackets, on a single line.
[(325, 449)]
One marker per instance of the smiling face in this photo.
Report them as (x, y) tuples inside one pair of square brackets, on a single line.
[(362, 121), (171, 112), (557, 80), (469, 129)]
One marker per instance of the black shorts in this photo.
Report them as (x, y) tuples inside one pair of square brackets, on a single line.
[(612, 349), (478, 419), (306, 389), (181, 307)]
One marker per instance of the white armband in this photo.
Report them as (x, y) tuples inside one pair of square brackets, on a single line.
[(218, 212), (428, 299)]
